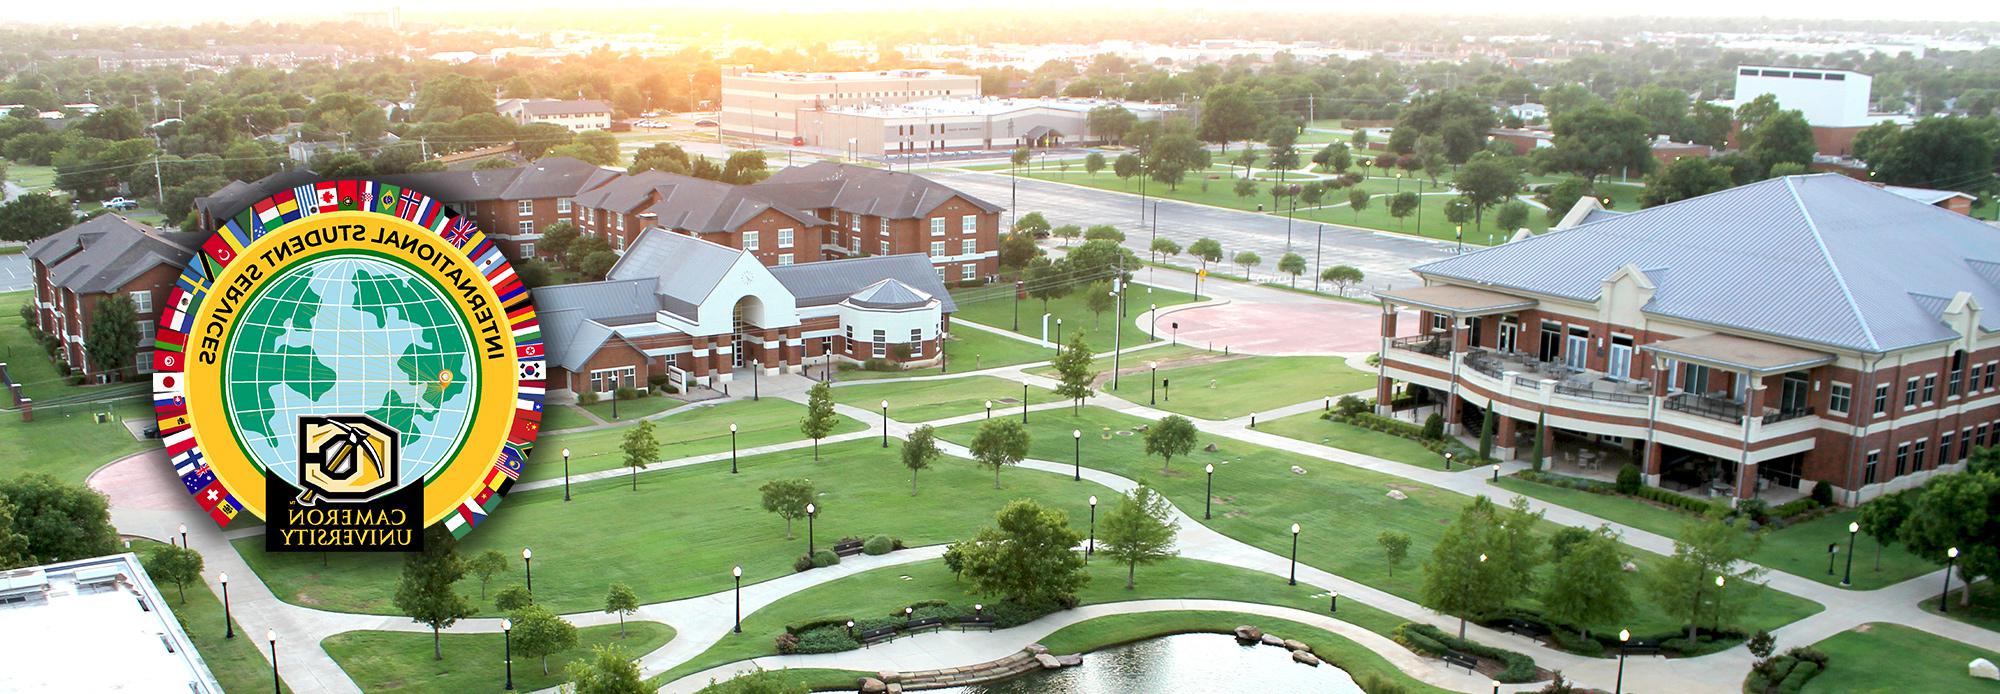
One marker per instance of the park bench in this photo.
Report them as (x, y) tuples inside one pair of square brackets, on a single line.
[(1642, 648), (916, 625), (847, 548), (875, 635), (974, 622), (1462, 660), (1526, 628)]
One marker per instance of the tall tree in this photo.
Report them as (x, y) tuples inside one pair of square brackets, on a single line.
[(33, 216), (1961, 511), (1073, 370), (58, 520), (1784, 137), (1684, 585), (919, 450), (640, 448), (1461, 578), (788, 498), (1665, 109), (113, 336), (1028, 555), (1000, 443), (1110, 123), (1402, 205), (1588, 584), (1687, 177), (1207, 250), (1598, 140), (620, 600), (1882, 518), (1139, 530), (1172, 156), (424, 592), (820, 417), (1228, 114), (540, 633), (1173, 435), (1487, 181), (1938, 152)]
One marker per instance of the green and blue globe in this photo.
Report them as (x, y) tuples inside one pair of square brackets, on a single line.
[(350, 334)]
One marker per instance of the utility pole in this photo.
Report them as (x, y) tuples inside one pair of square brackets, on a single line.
[(159, 184), (1319, 245), (1118, 328), (1310, 117)]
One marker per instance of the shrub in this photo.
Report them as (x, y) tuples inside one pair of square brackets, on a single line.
[(879, 544), (1350, 406), (1377, 684), (627, 393), (1822, 493), (879, 365), (586, 397), (1434, 427), (1432, 640), (1801, 674), (657, 381), (826, 639), (787, 643), (824, 558), (803, 563), (1793, 508), (1629, 479)]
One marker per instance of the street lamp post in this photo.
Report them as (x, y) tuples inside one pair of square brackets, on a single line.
[(1447, 461), (732, 448), (565, 453), (1077, 472), (1333, 601), (1024, 403), (1117, 330), (737, 573), (1166, 390), (989, 409), (271, 637), (1208, 499), (1091, 548), (1853, 529), (885, 424), (507, 655), (1832, 548), (1153, 392), (1059, 342), (1294, 578), (1496, 472), (184, 535), (528, 562), (1623, 636), (1950, 560), (811, 511), (229, 624)]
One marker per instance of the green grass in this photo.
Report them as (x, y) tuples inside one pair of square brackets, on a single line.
[(803, 679), (401, 661), (1357, 660), (1658, 520), (66, 441), (680, 533), (694, 432), (236, 663), (1984, 612), (1888, 659), (1243, 384), (632, 409), (13, 250), (884, 592), (1310, 428), (923, 401), (559, 417), (30, 176), (1343, 508), (993, 305), (969, 349)]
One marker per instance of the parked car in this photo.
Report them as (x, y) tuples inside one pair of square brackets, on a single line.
[(120, 203), (705, 123)]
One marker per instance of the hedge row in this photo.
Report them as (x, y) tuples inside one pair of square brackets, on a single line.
[(1786, 674), (1414, 432), (1424, 638)]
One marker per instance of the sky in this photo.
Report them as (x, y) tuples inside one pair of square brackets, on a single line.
[(153, 11)]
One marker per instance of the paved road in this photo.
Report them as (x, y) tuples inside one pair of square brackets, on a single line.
[(15, 273), (1385, 259)]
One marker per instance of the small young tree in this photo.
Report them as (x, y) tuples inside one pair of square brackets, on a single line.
[(113, 335), (1173, 435), (1245, 187), (609, 670), (621, 601), (788, 499), (1882, 518), (1207, 250), (820, 417), (641, 449), (1166, 247), (1357, 200), (1028, 556), (1395, 548), (486, 565), (1292, 264), (1000, 443), (540, 633), (1139, 530), (1067, 232), (1248, 260), (424, 592), (512, 598), (1512, 215), (1684, 584), (1093, 163), (1098, 298), (1460, 579), (1073, 370), (1401, 205), (1588, 585), (174, 564), (1341, 276), (918, 452)]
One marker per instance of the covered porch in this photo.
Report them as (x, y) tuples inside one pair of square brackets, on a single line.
[(1450, 333)]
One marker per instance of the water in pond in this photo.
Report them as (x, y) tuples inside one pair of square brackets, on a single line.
[(1180, 664)]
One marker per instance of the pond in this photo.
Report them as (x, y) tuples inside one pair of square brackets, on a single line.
[(1181, 663)]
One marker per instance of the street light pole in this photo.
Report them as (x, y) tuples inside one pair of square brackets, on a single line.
[(1623, 636), (1153, 392), (1293, 579), (528, 562), (732, 448), (1208, 499), (1117, 330), (1091, 548), (989, 409), (737, 573), (229, 623), (565, 453), (1319, 245), (507, 631), (885, 424), (1852, 530), (1077, 473), (184, 535), (1024, 403), (1950, 560), (811, 512), (271, 636)]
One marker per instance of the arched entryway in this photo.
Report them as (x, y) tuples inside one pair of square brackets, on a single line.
[(746, 347)]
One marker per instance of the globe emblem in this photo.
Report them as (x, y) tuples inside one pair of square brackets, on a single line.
[(350, 335)]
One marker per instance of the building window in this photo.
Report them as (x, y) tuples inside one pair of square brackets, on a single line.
[(937, 226), (1972, 383), (1917, 455), (749, 240), (525, 226), (1868, 471), (562, 205), (607, 380), (1881, 400), (937, 249), (885, 248), (1991, 367), (1910, 394), (854, 224), (1982, 434), (1965, 440), (1944, 448), (142, 302), (968, 246), (1956, 375), (785, 238), (1930, 389), (968, 272), (145, 330), (885, 227), (1839, 397), (528, 249), (968, 224), (784, 258), (143, 362), (1902, 459), (916, 342), (881, 344), (525, 207), (849, 329), (855, 244)]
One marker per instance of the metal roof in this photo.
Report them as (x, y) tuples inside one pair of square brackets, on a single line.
[(1821, 259), (860, 190), (576, 319), (1456, 300), (889, 294), (832, 281), (685, 269), (104, 253), (1730, 351)]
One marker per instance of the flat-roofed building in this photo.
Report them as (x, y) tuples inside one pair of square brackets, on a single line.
[(94, 625), (959, 124), (770, 105)]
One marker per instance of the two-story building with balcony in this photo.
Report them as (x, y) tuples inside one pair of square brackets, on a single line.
[(108, 256), (513, 205), (1745, 343)]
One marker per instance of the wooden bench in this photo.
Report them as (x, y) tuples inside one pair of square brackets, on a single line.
[(1462, 660), (1642, 648), (875, 635), (1525, 628), (978, 622), (848, 548), (916, 625)]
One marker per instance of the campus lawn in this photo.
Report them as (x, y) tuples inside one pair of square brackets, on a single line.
[(1247, 384), (680, 533), (697, 431), (559, 417), (401, 661), (923, 401), (236, 663), (64, 440), (1655, 519), (993, 305), (632, 409), (800, 679), (1887, 658), (30, 176), (1133, 364), (1435, 224), (884, 592), (1310, 428), (1342, 508), (969, 349), (1984, 612)]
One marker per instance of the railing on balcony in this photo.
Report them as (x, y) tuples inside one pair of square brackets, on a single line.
[(1786, 415), (1720, 409), (1432, 345), (1630, 397), (1526, 381), (1486, 364)]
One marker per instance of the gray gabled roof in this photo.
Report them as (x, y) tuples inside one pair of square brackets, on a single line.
[(555, 177), (684, 269), (577, 319), (625, 194), (231, 199), (564, 108), (889, 294), (861, 190), (1821, 259), (701, 205), (104, 253), (832, 281)]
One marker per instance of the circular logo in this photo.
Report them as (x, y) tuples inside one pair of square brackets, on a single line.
[(352, 362)]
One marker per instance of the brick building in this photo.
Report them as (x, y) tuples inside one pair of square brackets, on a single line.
[(1744, 343), (513, 206), (107, 256)]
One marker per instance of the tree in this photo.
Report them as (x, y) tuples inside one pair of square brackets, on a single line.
[(1245, 187), (1597, 140), (640, 448), (174, 564), (1110, 123), (743, 167), (486, 565), (512, 598), (919, 450), (1173, 435), (788, 498), (59, 520), (556, 239), (1027, 556), (1073, 370), (13, 544), (1000, 443), (1164, 246), (1339, 158), (1227, 113), (113, 335), (583, 248), (1033, 223), (1292, 264), (621, 601), (1248, 260), (1663, 108), (1098, 298), (424, 591), (820, 417), (1783, 137), (33, 216), (1882, 518), (1207, 249), (665, 156), (610, 670), (540, 633), (1460, 578), (1341, 276), (1395, 548), (1067, 232), (1936, 151), (1684, 584), (1588, 584), (1486, 434), (1487, 181), (1093, 163), (1169, 158), (1401, 205), (1125, 166), (1685, 178), (1357, 200), (1708, 124), (1513, 215), (1312, 193), (1139, 530), (1017, 249), (1961, 511)]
